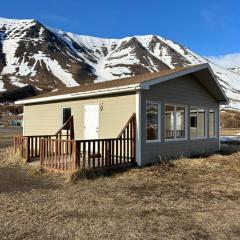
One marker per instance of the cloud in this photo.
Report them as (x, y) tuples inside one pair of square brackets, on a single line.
[(228, 61), (57, 18)]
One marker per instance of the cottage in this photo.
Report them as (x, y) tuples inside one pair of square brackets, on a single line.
[(177, 113)]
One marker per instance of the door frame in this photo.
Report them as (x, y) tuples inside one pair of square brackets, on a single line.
[(84, 114)]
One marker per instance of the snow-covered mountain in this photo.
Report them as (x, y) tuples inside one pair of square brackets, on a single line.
[(32, 54), (235, 69)]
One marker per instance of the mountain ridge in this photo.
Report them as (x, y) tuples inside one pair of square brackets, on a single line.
[(48, 58)]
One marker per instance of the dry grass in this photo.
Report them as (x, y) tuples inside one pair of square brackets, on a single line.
[(230, 119), (7, 134), (229, 131), (184, 199)]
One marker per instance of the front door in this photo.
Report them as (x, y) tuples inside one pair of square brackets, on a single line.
[(91, 121)]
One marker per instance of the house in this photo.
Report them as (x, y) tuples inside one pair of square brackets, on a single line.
[(177, 112)]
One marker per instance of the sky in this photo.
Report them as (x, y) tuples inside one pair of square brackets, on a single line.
[(208, 27)]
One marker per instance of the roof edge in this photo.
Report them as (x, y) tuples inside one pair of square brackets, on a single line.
[(107, 91)]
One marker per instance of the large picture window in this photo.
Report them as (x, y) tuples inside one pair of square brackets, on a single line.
[(212, 123), (152, 113), (175, 122), (197, 123)]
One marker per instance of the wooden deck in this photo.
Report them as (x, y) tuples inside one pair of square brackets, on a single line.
[(59, 154)]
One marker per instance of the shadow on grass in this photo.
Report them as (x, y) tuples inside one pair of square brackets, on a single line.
[(100, 172), (16, 179)]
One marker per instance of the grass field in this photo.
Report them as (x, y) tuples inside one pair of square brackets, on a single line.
[(184, 199)]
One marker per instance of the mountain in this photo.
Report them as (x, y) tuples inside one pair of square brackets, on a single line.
[(235, 69), (17, 94), (46, 58)]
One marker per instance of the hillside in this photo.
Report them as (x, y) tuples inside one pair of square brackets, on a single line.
[(46, 58)]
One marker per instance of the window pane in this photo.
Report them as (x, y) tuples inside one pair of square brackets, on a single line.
[(201, 123), (169, 122), (211, 125), (180, 122), (197, 127), (152, 121), (66, 115), (193, 123)]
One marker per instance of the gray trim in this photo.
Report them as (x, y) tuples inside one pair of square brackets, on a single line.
[(222, 96)]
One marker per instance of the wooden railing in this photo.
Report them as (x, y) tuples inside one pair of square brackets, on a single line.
[(29, 146), (95, 153), (104, 152), (67, 130), (21, 145), (58, 154)]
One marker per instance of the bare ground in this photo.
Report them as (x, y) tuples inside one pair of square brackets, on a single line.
[(184, 199)]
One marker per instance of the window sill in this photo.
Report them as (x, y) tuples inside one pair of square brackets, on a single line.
[(215, 137), (175, 140), (153, 141), (198, 138)]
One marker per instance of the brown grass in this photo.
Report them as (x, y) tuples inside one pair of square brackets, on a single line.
[(183, 199), (7, 134), (230, 119), (229, 131)]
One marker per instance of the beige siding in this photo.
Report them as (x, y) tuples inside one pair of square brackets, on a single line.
[(186, 91), (45, 118)]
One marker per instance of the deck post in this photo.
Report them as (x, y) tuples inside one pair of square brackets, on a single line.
[(108, 153), (27, 156), (77, 154)]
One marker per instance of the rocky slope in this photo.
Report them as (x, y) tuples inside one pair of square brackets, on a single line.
[(32, 54)]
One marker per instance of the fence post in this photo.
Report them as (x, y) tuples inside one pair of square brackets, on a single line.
[(41, 151), (27, 149), (133, 140), (74, 154), (77, 154), (108, 153)]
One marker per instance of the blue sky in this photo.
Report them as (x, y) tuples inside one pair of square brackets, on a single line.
[(209, 27)]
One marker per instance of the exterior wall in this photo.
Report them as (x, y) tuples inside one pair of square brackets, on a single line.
[(41, 119), (186, 91)]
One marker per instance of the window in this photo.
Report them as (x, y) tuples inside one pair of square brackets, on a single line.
[(175, 122), (66, 114), (169, 122), (212, 123), (180, 122), (153, 113), (197, 121)]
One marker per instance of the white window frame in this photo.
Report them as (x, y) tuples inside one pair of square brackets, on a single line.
[(159, 122), (175, 124), (215, 122), (205, 124), (61, 120)]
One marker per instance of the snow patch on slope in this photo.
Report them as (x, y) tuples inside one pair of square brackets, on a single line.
[(56, 69), (16, 82)]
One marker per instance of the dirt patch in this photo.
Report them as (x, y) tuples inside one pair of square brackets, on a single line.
[(184, 199)]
